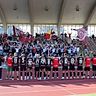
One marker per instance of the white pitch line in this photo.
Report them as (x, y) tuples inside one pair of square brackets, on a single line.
[(72, 93)]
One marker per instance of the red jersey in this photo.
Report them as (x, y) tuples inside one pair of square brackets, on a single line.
[(9, 61), (87, 62), (94, 61), (55, 62)]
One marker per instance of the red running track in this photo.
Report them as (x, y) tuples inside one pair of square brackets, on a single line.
[(47, 88)]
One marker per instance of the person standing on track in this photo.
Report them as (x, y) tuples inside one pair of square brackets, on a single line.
[(15, 62), (87, 63), (10, 64), (43, 62), (64, 62), (55, 64), (37, 65), (80, 62), (48, 65), (94, 63), (1, 61), (29, 65), (22, 62), (72, 62), (29, 62)]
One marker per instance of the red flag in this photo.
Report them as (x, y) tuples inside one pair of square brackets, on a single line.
[(47, 36)]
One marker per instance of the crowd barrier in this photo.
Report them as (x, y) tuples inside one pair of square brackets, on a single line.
[(48, 75)]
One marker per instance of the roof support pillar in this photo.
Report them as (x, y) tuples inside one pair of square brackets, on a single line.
[(90, 14), (30, 16), (3, 19), (60, 15)]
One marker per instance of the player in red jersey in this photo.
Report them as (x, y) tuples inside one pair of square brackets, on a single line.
[(87, 63), (10, 64), (56, 63), (94, 63)]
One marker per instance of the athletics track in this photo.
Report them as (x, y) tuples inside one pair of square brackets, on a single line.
[(48, 88)]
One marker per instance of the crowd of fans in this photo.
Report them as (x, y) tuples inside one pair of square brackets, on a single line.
[(14, 53)]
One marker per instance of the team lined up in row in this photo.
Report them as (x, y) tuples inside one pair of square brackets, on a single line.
[(42, 62)]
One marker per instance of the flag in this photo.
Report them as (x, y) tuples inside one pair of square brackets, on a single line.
[(17, 32), (20, 34), (47, 35), (82, 33)]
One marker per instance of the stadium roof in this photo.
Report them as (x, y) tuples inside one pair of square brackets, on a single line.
[(48, 11)]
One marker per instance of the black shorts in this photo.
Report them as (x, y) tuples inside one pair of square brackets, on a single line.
[(65, 68), (55, 69), (29, 68), (80, 68), (22, 68), (42, 67), (94, 67), (72, 67), (87, 68), (15, 68), (37, 68), (48, 68)]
